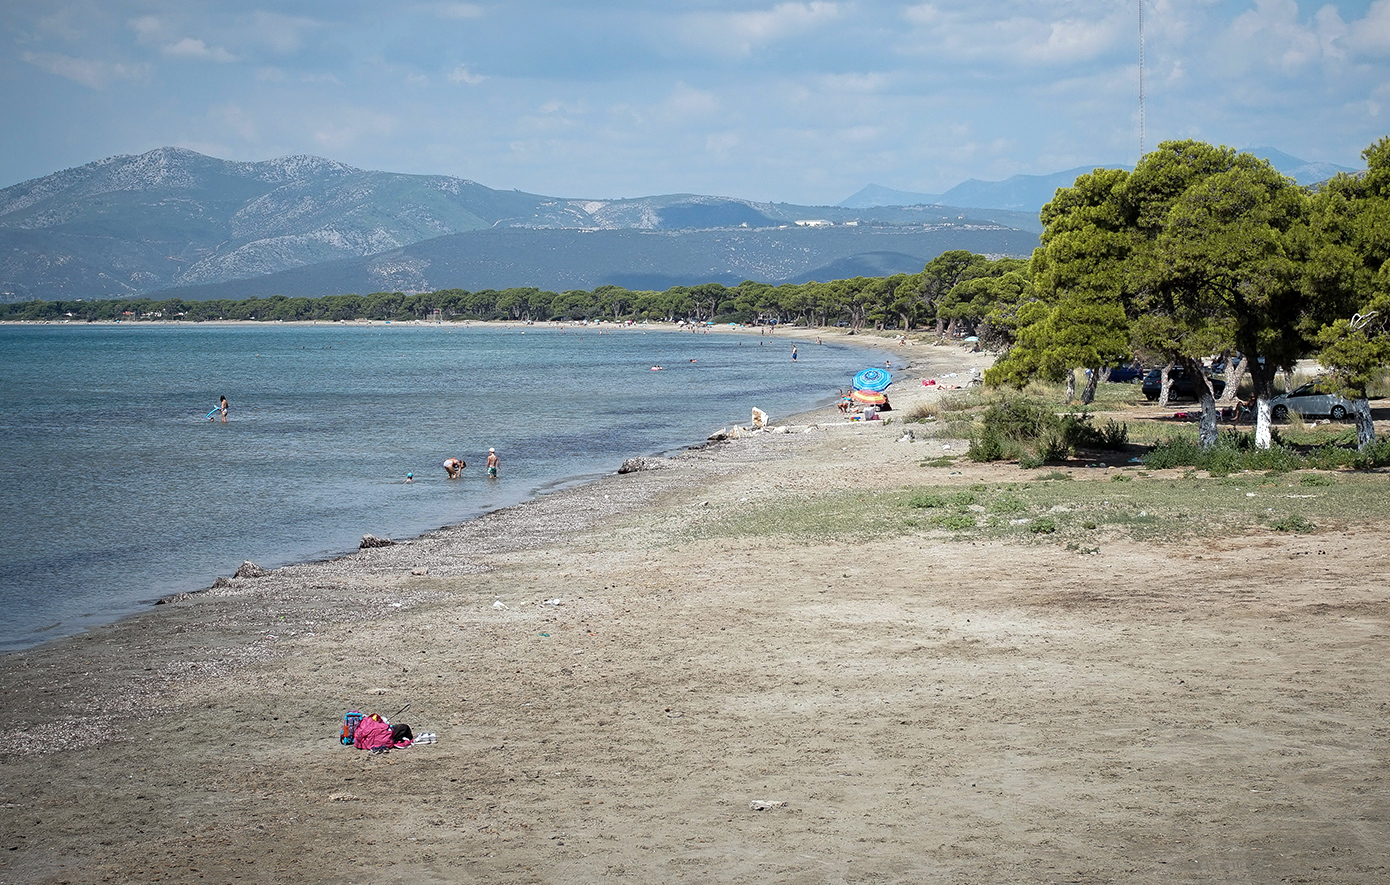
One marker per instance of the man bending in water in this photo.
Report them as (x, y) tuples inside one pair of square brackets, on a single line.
[(454, 467)]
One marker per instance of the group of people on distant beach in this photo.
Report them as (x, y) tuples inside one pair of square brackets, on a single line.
[(454, 467)]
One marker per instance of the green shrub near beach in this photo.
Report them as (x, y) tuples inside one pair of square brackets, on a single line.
[(1235, 452), (1030, 430)]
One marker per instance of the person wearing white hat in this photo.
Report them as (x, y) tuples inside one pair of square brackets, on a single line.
[(492, 463)]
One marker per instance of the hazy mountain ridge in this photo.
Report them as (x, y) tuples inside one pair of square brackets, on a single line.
[(1029, 193), (131, 224), (174, 218), (560, 259)]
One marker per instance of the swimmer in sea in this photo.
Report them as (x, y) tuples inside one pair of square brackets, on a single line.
[(492, 463), (409, 478)]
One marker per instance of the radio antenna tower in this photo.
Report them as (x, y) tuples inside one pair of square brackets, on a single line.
[(1141, 79)]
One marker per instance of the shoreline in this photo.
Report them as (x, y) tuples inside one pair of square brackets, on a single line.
[(867, 342), (648, 677)]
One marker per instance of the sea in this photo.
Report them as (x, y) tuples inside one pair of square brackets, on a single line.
[(117, 486)]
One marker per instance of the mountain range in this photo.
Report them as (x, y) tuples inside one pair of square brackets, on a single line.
[(1029, 193), (176, 222)]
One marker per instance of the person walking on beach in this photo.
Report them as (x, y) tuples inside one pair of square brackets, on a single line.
[(492, 463)]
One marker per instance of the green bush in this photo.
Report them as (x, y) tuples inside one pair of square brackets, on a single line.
[(1043, 525), (1114, 435), (1316, 479), (987, 446), (1292, 523), (1054, 444), (1018, 417), (1235, 452), (1008, 504), (1377, 454), (923, 501)]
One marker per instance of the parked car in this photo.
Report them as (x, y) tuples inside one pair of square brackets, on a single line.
[(1308, 400), (1181, 385), (1125, 374)]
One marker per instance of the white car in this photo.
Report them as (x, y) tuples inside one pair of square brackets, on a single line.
[(1309, 401)]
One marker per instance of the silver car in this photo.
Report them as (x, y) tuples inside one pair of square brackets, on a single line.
[(1309, 401)]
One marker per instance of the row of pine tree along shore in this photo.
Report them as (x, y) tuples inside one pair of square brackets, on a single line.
[(1200, 256)]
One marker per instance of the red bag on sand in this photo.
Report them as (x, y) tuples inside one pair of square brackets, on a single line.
[(371, 733)]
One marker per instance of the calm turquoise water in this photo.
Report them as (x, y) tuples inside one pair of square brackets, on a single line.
[(115, 489)]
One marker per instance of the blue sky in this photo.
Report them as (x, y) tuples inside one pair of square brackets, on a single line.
[(802, 102)]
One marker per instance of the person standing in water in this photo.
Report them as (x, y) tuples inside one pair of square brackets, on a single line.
[(793, 353), (492, 463), (222, 407)]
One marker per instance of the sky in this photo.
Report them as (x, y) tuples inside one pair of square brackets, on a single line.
[(802, 102)]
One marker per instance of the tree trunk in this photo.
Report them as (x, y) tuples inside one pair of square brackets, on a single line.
[(1207, 430), (1365, 427), (1263, 380), (1165, 384), (1264, 424), (1088, 393), (1071, 385), (1234, 375)]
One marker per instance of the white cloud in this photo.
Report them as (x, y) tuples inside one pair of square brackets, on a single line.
[(860, 83), (173, 42), (555, 106), (272, 31), (974, 31), (1371, 35), (89, 72), (350, 125), (685, 102), (740, 33), (462, 74), (149, 28), (190, 47), (235, 120), (1272, 32)]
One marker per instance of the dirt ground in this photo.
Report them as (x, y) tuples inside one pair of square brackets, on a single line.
[(619, 695)]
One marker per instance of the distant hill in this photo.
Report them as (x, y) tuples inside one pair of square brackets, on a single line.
[(1021, 193), (176, 219), (1301, 171), (1029, 193), (874, 195), (560, 260)]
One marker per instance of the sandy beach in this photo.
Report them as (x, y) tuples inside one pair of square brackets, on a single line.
[(651, 678)]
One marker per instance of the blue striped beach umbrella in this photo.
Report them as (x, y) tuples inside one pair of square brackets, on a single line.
[(873, 379)]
